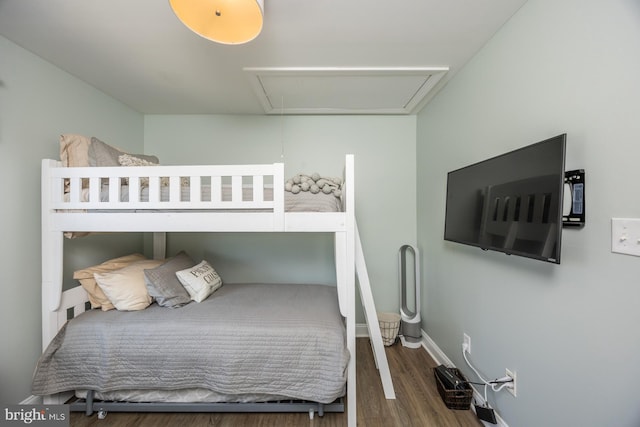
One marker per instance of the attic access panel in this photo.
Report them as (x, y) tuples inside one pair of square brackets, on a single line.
[(343, 90)]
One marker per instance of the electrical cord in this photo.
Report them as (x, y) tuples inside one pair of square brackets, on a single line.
[(486, 401), (504, 381), (490, 382)]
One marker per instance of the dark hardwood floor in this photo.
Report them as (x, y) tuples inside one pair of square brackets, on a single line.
[(417, 402)]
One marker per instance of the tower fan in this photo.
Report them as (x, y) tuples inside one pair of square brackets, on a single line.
[(410, 332)]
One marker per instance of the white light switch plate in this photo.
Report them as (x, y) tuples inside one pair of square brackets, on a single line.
[(625, 236)]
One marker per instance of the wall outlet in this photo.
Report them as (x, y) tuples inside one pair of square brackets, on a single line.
[(511, 387), (466, 342)]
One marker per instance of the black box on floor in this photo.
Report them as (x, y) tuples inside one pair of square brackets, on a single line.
[(456, 398), (486, 414)]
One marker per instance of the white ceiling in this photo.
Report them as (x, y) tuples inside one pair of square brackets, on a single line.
[(313, 56)]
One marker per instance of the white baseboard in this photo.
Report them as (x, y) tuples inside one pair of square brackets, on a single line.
[(32, 400), (362, 330), (434, 351), (440, 358)]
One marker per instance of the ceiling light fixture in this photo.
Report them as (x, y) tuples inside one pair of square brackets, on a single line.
[(221, 21)]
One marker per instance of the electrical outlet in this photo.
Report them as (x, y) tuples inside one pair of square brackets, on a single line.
[(466, 342), (511, 387)]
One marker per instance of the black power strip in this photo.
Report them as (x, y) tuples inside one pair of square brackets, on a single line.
[(450, 379)]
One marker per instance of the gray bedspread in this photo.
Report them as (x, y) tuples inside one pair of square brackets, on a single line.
[(284, 340)]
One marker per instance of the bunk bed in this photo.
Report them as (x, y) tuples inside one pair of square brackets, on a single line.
[(212, 198)]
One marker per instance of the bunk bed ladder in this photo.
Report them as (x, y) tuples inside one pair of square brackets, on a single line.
[(372, 320)]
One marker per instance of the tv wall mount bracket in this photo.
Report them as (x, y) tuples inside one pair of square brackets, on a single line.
[(574, 205)]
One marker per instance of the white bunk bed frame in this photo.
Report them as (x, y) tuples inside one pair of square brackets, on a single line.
[(61, 214)]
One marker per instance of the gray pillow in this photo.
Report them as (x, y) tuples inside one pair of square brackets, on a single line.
[(102, 154), (163, 284)]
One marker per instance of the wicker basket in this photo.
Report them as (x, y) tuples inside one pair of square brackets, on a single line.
[(455, 398), (389, 327)]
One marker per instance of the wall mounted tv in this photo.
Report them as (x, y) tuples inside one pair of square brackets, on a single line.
[(511, 203)]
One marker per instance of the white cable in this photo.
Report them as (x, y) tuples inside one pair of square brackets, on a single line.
[(487, 383), (486, 402)]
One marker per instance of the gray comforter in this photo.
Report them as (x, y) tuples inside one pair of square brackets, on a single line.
[(245, 339)]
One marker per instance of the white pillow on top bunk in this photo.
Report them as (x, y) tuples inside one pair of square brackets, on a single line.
[(200, 281), (125, 287)]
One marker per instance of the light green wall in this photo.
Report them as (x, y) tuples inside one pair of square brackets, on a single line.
[(570, 331), (384, 149), (38, 102)]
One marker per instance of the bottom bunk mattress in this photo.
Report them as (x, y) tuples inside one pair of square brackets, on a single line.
[(245, 342)]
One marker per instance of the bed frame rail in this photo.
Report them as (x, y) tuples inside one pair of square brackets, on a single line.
[(89, 406), (211, 187)]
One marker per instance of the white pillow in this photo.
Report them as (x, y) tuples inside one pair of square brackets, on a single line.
[(200, 281), (125, 287), (88, 281)]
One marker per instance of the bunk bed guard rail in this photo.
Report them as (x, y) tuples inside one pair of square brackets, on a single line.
[(207, 187)]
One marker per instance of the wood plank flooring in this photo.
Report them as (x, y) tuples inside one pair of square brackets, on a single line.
[(417, 403)]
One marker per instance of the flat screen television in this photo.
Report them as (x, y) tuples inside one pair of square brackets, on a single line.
[(511, 203)]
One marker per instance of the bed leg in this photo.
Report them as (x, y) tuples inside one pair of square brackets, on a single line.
[(320, 411), (88, 409)]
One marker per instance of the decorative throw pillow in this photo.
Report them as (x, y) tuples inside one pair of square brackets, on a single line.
[(200, 281), (136, 160), (85, 277), (163, 284), (103, 154), (129, 160), (125, 287)]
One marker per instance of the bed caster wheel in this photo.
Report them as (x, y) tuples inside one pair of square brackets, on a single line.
[(102, 414), (311, 413)]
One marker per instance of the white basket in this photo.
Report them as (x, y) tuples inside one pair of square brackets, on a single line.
[(389, 326)]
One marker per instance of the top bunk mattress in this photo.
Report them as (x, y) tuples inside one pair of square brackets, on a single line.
[(303, 201)]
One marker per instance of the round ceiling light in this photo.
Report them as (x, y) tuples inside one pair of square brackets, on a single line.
[(221, 21)]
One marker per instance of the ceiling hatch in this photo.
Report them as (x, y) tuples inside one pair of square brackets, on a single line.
[(344, 90)]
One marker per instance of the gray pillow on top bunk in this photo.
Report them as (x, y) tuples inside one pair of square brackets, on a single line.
[(163, 285), (102, 154)]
